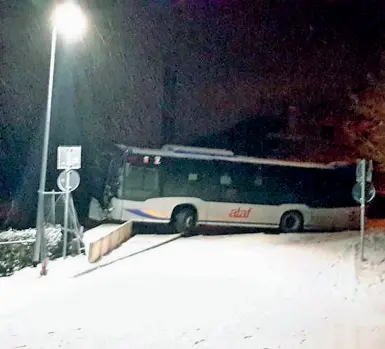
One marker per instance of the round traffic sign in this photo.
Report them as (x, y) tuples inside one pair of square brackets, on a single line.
[(370, 192), (73, 180)]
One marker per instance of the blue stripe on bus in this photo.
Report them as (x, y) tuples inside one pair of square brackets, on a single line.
[(140, 213)]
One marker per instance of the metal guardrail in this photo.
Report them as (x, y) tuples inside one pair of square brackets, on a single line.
[(17, 242)]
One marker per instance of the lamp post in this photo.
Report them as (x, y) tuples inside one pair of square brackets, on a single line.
[(70, 23)]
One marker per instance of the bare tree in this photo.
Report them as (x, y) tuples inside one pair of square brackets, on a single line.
[(367, 132)]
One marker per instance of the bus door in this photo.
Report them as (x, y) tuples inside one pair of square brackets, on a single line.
[(139, 183)]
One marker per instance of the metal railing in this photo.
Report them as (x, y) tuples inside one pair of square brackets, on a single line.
[(54, 215), (29, 241), (54, 203)]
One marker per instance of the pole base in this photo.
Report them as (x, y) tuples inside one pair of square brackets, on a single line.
[(44, 267)]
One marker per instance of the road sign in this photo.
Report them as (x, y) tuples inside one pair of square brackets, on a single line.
[(370, 192), (369, 171), (360, 169), (69, 157), (73, 180), (364, 169)]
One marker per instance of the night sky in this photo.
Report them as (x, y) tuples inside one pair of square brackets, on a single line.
[(231, 58), (196, 66)]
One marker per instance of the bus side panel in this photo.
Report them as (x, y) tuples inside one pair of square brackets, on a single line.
[(322, 218), (158, 210), (246, 214), (240, 213), (335, 218), (348, 218)]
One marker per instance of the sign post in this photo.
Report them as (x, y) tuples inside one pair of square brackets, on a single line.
[(68, 159), (363, 192), (362, 202), (66, 206)]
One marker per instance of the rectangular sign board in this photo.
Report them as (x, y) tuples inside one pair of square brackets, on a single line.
[(360, 170), (364, 169), (69, 157), (369, 171)]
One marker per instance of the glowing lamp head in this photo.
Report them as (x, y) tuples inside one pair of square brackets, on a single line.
[(70, 21)]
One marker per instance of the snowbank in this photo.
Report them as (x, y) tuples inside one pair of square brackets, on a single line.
[(371, 271), (17, 255)]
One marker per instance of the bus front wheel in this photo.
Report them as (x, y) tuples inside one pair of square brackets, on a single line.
[(185, 221), (291, 222)]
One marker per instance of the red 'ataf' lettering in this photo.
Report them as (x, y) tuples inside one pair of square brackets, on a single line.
[(238, 213)]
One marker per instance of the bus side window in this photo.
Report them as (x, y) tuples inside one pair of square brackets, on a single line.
[(237, 184), (250, 182), (194, 184), (228, 192), (181, 178), (270, 193), (207, 186)]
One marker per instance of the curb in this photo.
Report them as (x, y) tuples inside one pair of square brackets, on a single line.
[(88, 271)]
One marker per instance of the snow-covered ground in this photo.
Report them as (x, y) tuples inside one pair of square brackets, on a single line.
[(371, 272), (237, 291)]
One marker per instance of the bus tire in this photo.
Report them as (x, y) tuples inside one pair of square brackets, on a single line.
[(291, 222), (185, 221)]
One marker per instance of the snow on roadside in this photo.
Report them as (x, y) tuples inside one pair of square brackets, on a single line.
[(371, 272), (61, 273), (17, 256), (64, 269), (16, 247), (53, 234), (340, 250)]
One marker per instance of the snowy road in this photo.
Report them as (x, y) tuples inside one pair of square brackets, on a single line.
[(219, 292)]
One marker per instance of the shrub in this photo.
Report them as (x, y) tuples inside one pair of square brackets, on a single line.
[(14, 257)]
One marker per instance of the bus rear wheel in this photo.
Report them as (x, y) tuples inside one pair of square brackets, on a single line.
[(185, 221), (291, 222)]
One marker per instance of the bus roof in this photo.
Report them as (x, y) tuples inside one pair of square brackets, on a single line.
[(221, 155)]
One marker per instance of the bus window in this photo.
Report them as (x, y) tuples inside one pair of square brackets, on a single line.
[(140, 183), (175, 177), (241, 183), (189, 178), (339, 187), (283, 185)]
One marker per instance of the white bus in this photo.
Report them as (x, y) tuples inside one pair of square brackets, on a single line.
[(188, 186)]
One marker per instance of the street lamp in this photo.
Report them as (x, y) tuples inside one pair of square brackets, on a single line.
[(69, 22)]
